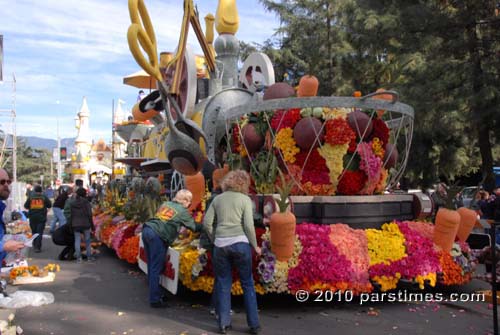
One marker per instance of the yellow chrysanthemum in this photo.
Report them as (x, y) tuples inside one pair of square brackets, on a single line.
[(431, 277), (385, 245), (377, 148), (387, 282), (284, 141)]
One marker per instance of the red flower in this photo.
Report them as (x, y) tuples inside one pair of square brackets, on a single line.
[(338, 131), (285, 118), (315, 169), (236, 139), (351, 182)]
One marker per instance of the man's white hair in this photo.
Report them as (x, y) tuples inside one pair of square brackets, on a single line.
[(183, 196)]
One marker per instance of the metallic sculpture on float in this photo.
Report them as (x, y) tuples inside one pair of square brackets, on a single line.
[(234, 95)]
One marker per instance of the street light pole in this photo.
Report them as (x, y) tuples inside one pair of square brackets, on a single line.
[(59, 165), (14, 135)]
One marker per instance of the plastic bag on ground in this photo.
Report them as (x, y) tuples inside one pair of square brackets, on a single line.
[(21, 299)]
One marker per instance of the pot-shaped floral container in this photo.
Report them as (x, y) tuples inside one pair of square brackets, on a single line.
[(283, 235), (447, 224), (283, 224), (322, 142)]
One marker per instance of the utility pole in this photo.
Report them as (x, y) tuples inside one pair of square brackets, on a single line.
[(14, 136), (59, 165)]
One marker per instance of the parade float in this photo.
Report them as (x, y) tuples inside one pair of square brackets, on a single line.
[(329, 160)]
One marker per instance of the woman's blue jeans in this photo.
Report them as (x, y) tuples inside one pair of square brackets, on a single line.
[(78, 237), (58, 217), (156, 250), (238, 255)]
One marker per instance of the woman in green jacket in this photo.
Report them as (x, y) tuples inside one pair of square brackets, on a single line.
[(234, 238)]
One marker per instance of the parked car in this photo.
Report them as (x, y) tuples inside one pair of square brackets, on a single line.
[(468, 194)]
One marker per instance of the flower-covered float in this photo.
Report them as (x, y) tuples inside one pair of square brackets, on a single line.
[(325, 257), (325, 148), (332, 257)]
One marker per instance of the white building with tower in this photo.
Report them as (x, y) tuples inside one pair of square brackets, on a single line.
[(92, 161)]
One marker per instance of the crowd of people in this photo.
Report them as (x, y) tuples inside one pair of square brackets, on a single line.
[(72, 217), (228, 229)]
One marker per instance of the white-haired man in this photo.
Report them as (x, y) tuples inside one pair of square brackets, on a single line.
[(159, 233)]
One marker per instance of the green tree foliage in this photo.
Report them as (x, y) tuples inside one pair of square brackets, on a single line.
[(308, 40), (443, 56), (31, 163)]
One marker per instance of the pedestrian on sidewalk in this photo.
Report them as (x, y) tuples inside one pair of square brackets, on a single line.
[(71, 198), (159, 233), (234, 238), (57, 209), (82, 223), (10, 245), (37, 205)]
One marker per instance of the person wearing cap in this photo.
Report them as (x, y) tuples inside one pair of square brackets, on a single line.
[(37, 205), (159, 233)]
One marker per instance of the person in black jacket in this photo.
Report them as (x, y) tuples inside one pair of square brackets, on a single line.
[(37, 204), (81, 222), (64, 236)]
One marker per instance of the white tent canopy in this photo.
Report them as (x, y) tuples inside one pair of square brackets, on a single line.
[(96, 168)]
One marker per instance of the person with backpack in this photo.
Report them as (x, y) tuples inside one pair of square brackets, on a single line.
[(37, 205)]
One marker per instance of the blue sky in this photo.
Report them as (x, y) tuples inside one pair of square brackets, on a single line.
[(62, 50)]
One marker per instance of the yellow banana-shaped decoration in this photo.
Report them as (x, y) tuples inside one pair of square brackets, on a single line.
[(145, 36)]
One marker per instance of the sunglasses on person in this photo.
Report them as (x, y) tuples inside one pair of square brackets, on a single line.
[(5, 181)]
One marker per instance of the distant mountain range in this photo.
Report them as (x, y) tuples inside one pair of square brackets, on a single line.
[(47, 143)]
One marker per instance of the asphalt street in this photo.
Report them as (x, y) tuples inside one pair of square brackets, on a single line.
[(109, 297)]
